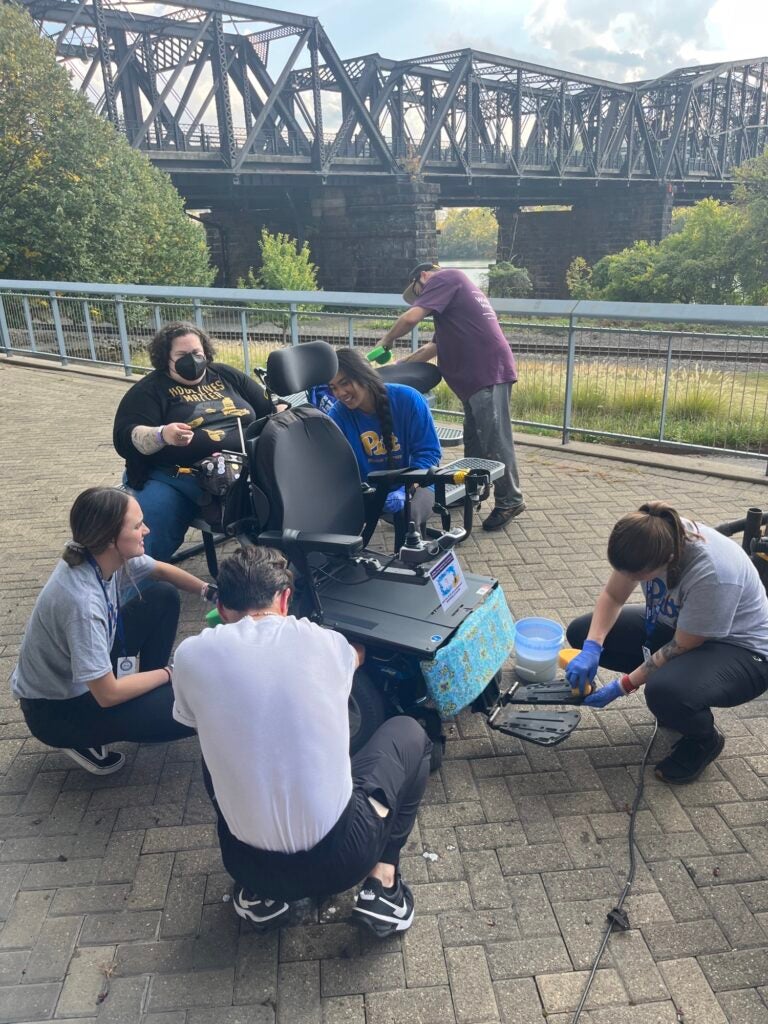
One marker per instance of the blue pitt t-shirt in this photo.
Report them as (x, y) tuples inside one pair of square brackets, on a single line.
[(415, 439)]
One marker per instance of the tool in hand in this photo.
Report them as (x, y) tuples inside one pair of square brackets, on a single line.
[(379, 355)]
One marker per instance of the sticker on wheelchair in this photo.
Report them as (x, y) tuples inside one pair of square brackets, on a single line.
[(448, 580), (126, 666)]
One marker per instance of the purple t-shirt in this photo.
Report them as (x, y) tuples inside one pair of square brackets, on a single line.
[(472, 352)]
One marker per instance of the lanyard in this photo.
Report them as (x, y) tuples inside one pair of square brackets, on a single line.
[(652, 607), (114, 619)]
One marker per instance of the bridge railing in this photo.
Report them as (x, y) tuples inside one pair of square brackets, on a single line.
[(686, 377)]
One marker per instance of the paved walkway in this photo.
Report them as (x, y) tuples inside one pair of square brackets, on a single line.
[(112, 891)]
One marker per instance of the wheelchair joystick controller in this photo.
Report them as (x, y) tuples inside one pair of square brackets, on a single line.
[(415, 549)]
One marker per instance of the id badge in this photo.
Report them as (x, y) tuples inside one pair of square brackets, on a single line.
[(646, 653), (126, 665)]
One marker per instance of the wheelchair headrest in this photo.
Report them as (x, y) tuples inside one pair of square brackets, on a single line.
[(301, 367)]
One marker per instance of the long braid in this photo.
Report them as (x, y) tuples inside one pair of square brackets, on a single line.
[(384, 413), (356, 368)]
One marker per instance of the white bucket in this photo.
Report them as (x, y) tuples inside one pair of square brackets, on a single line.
[(529, 671)]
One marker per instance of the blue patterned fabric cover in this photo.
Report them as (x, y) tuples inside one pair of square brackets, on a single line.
[(463, 668)]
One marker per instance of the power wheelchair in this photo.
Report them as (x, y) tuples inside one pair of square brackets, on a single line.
[(428, 653)]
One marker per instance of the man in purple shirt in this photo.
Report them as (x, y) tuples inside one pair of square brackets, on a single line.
[(477, 364)]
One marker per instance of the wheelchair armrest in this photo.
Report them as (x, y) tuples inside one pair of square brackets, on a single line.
[(326, 543), (396, 477)]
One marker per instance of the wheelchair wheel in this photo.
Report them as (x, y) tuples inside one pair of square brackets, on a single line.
[(367, 710), (429, 720)]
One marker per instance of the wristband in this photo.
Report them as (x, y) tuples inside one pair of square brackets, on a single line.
[(159, 435), (626, 684), (167, 671)]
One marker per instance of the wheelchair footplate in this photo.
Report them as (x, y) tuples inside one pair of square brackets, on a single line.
[(556, 692), (544, 728)]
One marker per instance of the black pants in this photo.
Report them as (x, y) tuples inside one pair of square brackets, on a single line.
[(150, 625), (393, 768), (680, 693)]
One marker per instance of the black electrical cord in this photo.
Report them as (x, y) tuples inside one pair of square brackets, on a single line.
[(617, 918)]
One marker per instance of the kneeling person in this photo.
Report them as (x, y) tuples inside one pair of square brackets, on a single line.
[(297, 817)]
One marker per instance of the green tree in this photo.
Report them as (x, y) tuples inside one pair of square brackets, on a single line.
[(751, 199), (468, 234), (699, 261), (628, 276), (76, 202)]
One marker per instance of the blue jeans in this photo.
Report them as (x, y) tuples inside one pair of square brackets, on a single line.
[(169, 505)]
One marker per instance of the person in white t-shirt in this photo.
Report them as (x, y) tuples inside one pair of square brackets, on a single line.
[(699, 641), (297, 817)]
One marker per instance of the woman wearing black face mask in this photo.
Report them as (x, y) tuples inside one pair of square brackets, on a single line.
[(183, 411)]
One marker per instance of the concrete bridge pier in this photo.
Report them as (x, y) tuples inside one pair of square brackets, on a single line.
[(603, 220), (362, 237), (368, 238)]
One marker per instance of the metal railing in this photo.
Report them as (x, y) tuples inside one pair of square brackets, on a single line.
[(687, 377)]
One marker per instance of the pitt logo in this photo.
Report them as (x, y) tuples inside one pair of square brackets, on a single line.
[(374, 446)]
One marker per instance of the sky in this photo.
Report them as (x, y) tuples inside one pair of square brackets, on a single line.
[(621, 40)]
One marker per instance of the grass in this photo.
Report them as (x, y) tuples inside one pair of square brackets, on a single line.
[(705, 406)]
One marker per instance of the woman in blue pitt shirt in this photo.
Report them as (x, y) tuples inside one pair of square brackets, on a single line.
[(389, 426)]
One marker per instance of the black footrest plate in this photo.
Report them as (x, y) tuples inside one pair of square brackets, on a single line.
[(558, 692), (545, 728)]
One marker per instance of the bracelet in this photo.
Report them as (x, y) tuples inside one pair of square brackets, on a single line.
[(159, 435), (626, 684), (168, 673)]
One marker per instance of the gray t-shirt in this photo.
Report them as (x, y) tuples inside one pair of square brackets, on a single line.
[(68, 639), (719, 594)]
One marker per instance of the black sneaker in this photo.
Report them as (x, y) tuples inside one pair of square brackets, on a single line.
[(99, 760), (382, 912), (689, 757), (501, 516), (261, 913)]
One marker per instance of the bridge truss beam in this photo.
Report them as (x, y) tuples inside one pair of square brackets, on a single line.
[(223, 87)]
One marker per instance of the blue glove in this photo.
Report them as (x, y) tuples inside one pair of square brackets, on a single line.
[(395, 501), (583, 668), (606, 694)]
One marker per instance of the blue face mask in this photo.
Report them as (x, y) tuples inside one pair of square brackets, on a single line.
[(190, 366)]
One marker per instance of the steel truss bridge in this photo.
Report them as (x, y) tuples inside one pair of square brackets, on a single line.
[(223, 88)]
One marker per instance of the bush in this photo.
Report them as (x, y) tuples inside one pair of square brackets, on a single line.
[(506, 281), (284, 267)]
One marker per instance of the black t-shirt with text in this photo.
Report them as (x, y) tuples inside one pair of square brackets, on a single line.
[(212, 408)]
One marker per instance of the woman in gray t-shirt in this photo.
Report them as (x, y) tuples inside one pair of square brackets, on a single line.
[(93, 664), (699, 641)]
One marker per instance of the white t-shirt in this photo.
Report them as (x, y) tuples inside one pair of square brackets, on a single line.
[(268, 697)]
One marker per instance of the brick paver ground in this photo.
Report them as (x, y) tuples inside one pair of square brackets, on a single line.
[(112, 893)]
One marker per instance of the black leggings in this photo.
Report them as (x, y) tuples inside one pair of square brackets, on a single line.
[(393, 768), (150, 625), (680, 693)]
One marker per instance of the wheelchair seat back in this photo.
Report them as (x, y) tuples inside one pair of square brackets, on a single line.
[(308, 474)]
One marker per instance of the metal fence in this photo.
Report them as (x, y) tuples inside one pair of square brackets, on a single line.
[(692, 377)]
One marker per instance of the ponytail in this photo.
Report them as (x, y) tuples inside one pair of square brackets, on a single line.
[(651, 538), (95, 519)]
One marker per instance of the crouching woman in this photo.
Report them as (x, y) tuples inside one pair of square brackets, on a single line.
[(93, 665), (699, 640)]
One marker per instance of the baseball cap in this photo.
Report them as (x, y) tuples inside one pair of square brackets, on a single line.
[(420, 268)]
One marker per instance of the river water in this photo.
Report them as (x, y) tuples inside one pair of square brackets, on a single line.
[(476, 270)]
